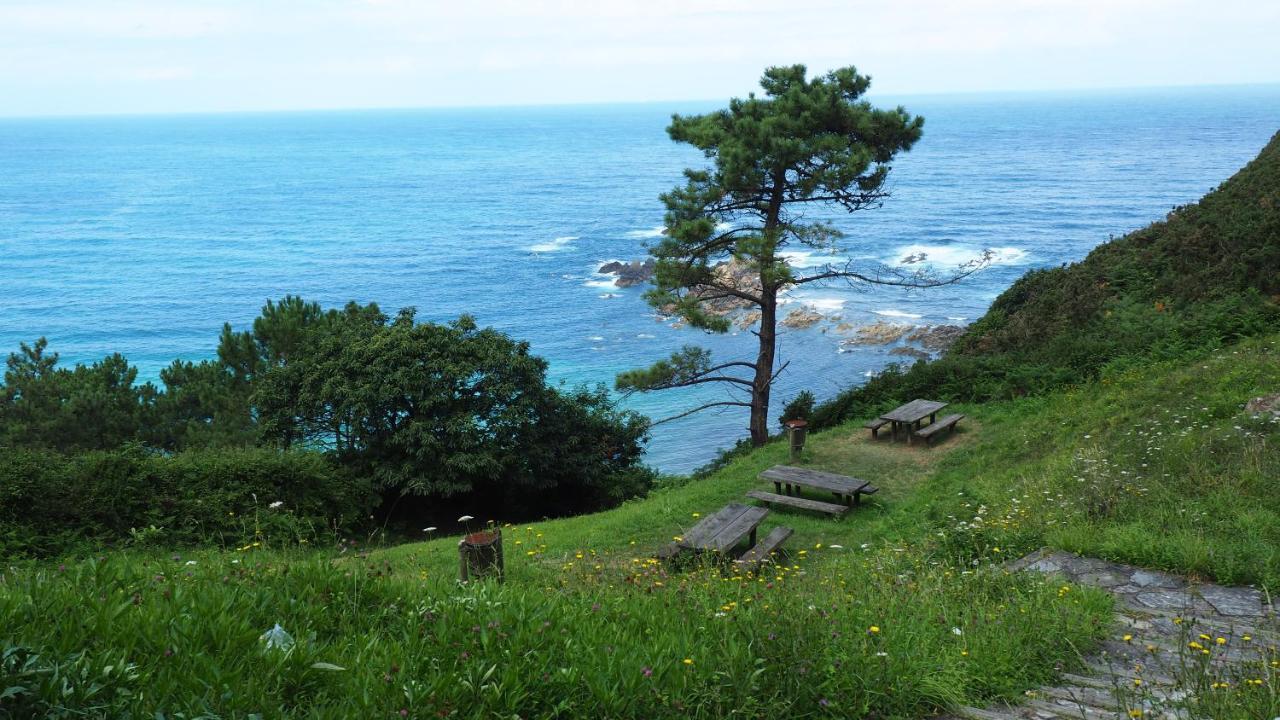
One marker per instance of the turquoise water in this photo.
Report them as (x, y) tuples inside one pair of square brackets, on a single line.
[(144, 234)]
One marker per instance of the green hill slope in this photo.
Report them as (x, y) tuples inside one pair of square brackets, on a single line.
[(897, 610)]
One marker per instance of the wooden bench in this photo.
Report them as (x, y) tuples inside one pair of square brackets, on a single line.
[(799, 502), (927, 432), (846, 489), (763, 551), (874, 426)]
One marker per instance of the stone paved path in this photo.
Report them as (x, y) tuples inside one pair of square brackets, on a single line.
[(1148, 666)]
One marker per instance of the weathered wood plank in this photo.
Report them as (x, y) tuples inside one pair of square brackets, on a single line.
[(842, 484), (798, 502), (760, 553), (707, 527), (738, 528), (928, 431), (914, 411)]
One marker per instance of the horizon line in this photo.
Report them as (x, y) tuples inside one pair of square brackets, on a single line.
[(613, 103)]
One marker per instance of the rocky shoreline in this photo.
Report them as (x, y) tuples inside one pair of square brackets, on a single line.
[(917, 341)]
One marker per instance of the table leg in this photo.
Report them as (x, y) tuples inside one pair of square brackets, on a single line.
[(777, 487), (752, 541)]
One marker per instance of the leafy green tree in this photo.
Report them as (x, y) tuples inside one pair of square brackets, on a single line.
[(805, 147), (443, 410)]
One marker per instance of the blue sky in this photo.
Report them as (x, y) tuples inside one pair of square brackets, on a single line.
[(137, 56)]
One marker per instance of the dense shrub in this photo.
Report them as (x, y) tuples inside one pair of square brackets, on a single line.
[(51, 502)]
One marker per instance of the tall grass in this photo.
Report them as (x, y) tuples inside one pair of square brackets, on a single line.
[(831, 632)]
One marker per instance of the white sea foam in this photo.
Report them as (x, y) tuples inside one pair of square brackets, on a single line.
[(609, 296), (957, 318), (956, 255), (555, 245), (646, 336), (599, 283), (825, 303), (897, 314), (650, 233), (596, 338)]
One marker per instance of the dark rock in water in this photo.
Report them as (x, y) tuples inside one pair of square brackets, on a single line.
[(936, 337), (629, 274), (909, 351)]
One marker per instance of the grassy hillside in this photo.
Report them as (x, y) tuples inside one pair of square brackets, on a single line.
[(897, 610)]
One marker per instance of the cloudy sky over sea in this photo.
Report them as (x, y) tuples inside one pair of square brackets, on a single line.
[(132, 56)]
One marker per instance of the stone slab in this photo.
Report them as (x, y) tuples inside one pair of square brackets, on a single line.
[(1233, 601)]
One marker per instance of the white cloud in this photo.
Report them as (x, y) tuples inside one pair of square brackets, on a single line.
[(239, 54)]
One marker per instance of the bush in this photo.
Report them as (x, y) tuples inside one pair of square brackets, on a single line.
[(800, 408), (51, 503)]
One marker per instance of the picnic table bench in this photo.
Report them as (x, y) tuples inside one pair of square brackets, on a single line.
[(788, 480), (762, 552), (907, 417), (927, 432), (798, 502), (724, 529)]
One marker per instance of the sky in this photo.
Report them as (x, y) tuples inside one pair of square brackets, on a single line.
[(60, 57)]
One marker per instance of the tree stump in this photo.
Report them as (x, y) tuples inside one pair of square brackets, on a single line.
[(480, 556)]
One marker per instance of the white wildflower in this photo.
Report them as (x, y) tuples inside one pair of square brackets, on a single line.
[(465, 518)]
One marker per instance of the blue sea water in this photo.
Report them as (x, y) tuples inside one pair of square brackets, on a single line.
[(144, 234)]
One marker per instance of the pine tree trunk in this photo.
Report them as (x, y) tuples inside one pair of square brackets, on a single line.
[(763, 381)]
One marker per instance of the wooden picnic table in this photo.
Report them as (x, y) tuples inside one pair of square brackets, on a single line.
[(724, 529), (788, 479), (909, 416)]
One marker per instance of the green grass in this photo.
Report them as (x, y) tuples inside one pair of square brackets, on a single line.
[(1152, 464)]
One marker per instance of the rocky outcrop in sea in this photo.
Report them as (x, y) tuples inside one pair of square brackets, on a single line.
[(629, 274)]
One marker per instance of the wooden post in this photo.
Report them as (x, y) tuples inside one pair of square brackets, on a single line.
[(796, 431), (480, 556)]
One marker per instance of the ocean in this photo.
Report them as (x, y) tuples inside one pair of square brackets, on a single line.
[(143, 234)]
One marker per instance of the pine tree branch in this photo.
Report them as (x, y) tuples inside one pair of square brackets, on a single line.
[(700, 409)]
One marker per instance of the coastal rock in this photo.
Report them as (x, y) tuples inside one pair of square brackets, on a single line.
[(629, 274), (748, 319), (936, 337), (878, 333), (734, 275), (910, 352), (801, 318)]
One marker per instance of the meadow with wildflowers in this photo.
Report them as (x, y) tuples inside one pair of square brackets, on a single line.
[(899, 610)]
